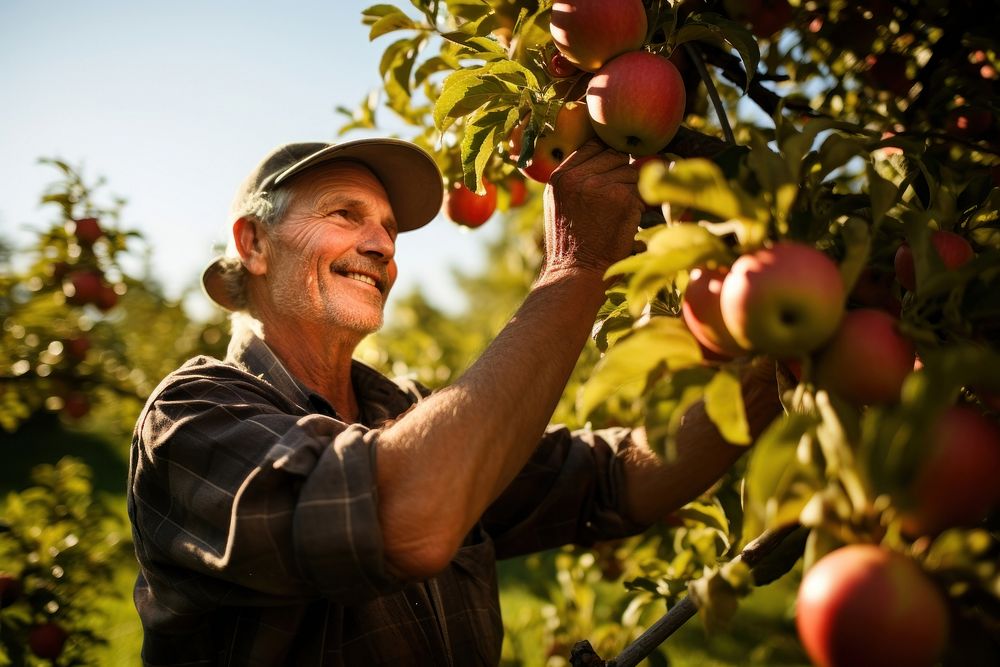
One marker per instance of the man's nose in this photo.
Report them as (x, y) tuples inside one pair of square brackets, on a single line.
[(378, 242)]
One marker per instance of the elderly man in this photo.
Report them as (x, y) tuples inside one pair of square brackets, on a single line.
[(293, 506)]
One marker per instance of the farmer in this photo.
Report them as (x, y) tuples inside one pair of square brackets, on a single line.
[(293, 506)]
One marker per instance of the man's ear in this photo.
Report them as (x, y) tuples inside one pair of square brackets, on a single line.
[(250, 242)]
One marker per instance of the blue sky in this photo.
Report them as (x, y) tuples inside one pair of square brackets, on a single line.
[(173, 102)]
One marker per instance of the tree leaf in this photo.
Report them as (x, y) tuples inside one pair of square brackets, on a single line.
[(696, 183), (724, 406), (712, 27), (391, 22)]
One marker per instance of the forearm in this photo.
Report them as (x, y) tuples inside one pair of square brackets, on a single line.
[(655, 487), (443, 463)]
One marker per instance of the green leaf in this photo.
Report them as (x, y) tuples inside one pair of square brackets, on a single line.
[(724, 406), (857, 247), (664, 343), (712, 27), (710, 514), (391, 22), (883, 193), (773, 466), (696, 183), (462, 93), (838, 150), (484, 130)]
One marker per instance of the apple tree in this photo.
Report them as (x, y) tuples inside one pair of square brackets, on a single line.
[(823, 182)]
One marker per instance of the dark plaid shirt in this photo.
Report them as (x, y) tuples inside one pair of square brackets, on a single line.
[(254, 513)]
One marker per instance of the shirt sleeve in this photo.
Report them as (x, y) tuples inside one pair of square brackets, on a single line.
[(233, 495), (570, 492)]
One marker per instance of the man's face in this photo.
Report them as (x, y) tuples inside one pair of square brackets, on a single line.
[(330, 260)]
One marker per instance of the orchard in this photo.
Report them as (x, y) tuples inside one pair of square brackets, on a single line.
[(823, 199), (823, 188)]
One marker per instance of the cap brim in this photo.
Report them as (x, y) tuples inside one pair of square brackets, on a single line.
[(409, 175)]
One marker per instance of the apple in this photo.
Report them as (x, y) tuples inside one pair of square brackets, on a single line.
[(968, 122), (874, 289), (767, 17), (517, 191), (77, 347), (467, 208), (956, 482), (560, 67), (953, 250), (76, 405), (592, 32), (46, 640), (867, 359), (888, 72), (87, 230), (865, 606), (786, 300), (83, 286), (569, 131), (703, 315), (107, 297), (636, 102), (11, 589)]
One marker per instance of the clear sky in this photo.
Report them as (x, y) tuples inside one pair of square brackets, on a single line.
[(173, 103)]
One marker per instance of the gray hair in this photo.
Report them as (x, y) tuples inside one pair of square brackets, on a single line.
[(266, 208)]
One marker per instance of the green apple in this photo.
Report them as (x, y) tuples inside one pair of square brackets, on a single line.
[(592, 32), (570, 130), (636, 102), (867, 359), (865, 606), (786, 300)]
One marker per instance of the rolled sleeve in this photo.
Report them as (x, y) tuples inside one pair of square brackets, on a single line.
[(570, 492), (236, 499)]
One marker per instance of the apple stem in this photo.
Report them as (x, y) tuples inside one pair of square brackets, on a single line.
[(713, 92)]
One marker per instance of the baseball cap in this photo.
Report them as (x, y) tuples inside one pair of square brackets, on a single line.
[(409, 175)]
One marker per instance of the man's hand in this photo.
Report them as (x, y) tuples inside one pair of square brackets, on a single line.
[(592, 210)]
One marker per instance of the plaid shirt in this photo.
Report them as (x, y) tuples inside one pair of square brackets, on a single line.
[(254, 514)]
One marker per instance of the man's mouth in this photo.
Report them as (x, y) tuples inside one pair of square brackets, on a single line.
[(362, 277)]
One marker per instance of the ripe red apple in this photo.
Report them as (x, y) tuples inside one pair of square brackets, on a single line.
[(560, 67), (83, 287), (76, 405), (87, 230), (888, 72), (953, 250), (46, 640), (517, 191), (703, 315), (636, 102), (865, 606), (874, 289), (77, 347), (11, 589), (786, 300), (867, 359), (956, 483), (465, 207), (570, 130), (107, 297), (592, 32)]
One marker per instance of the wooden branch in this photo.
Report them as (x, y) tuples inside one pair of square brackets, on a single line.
[(769, 556)]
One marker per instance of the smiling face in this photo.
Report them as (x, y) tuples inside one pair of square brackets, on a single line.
[(329, 264)]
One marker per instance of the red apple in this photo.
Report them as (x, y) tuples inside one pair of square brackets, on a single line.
[(592, 32), (953, 250), (636, 102), (87, 230), (867, 359), (467, 208), (517, 191), (767, 17), (76, 405), (10, 589), (703, 315), (107, 297), (46, 640), (559, 66), (888, 71), (956, 482), (866, 606), (77, 347), (83, 287), (874, 289), (786, 300), (569, 131)]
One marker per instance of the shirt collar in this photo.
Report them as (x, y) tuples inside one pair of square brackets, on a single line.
[(379, 398)]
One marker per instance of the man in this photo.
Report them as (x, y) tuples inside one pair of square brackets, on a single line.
[(292, 506)]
